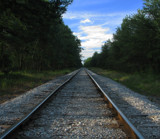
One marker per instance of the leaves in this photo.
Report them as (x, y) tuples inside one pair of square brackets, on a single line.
[(34, 37), (136, 43)]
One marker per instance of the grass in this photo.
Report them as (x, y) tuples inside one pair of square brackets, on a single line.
[(145, 83), (19, 82)]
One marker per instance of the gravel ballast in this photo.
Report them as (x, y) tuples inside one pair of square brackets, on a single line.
[(13, 110), (78, 111), (143, 114)]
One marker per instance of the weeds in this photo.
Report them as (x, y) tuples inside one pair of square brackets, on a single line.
[(19, 82), (144, 83)]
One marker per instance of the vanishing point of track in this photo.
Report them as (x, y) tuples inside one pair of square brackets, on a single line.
[(79, 108)]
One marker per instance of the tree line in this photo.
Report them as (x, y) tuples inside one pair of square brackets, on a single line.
[(33, 36), (135, 45)]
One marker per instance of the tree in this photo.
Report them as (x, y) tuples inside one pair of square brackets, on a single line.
[(34, 37), (135, 45), (87, 62)]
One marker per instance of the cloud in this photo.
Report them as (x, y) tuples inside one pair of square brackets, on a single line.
[(85, 21), (88, 15), (78, 15), (95, 35), (88, 53), (104, 19), (92, 37)]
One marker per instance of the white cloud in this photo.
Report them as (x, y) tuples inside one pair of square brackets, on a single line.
[(78, 15), (88, 53), (92, 37), (85, 15), (85, 21)]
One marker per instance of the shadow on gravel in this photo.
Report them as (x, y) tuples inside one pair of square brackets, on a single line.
[(145, 121)]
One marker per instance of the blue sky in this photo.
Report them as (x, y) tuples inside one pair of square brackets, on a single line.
[(95, 21)]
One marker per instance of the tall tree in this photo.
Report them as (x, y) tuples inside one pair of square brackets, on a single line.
[(136, 43), (33, 36)]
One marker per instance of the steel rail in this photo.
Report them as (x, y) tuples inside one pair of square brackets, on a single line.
[(133, 131), (9, 132)]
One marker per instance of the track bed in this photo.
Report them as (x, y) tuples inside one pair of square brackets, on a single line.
[(78, 111)]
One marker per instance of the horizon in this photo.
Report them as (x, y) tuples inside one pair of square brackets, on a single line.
[(94, 24)]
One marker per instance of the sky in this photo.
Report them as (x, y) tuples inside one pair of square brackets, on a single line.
[(95, 21)]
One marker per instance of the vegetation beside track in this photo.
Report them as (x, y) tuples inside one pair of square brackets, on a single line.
[(135, 46), (144, 83), (16, 83)]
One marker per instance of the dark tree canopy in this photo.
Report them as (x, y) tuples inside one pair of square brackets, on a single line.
[(34, 37), (136, 43)]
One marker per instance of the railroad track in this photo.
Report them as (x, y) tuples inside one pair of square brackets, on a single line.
[(78, 108)]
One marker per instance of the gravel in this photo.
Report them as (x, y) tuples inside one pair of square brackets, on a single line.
[(13, 110), (78, 111), (143, 113)]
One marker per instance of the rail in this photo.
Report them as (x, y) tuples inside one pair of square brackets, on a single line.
[(128, 125), (9, 132), (133, 132)]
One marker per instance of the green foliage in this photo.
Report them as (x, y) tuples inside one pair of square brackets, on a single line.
[(144, 83), (136, 43), (34, 37), (21, 81), (87, 62)]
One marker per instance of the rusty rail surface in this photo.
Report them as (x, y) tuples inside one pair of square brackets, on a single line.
[(10, 131), (123, 119), (133, 132)]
